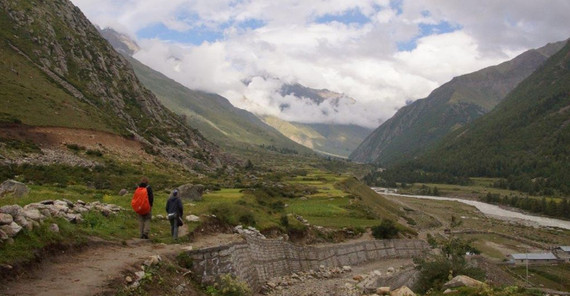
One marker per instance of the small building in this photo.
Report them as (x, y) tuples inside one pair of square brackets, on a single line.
[(563, 253), (533, 258)]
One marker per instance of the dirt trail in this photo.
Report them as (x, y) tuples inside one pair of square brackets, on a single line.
[(89, 271)]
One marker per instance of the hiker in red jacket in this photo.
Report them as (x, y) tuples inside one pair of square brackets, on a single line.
[(144, 220)]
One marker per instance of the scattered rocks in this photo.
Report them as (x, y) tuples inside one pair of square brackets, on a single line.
[(123, 192), (249, 231), (280, 283), (14, 218), (17, 189)]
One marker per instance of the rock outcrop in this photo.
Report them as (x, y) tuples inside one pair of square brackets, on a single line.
[(191, 191)]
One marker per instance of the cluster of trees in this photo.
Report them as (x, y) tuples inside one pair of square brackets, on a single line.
[(282, 150), (549, 207)]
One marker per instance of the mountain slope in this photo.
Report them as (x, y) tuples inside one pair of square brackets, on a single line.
[(331, 139), (418, 126), (58, 64), (213, 115), (525, 139), (328, 138)]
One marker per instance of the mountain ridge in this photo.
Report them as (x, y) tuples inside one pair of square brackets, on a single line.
[(421, 124)]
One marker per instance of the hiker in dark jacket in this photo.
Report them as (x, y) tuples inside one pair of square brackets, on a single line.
[(144, 220), (174, 210)]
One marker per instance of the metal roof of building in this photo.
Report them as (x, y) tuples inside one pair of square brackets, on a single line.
[(565, 248), (534, 256)]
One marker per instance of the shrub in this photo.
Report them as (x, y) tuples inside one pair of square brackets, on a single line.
[(184, 260), (94, 152), (386, 230), (229, 286), (284, 221), (247, 219), (74, 147)]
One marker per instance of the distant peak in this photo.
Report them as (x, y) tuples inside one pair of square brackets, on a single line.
[(121, 42)]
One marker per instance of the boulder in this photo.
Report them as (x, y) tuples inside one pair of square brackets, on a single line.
[(3, 235), (6, 219), (13, 210), (192, 218), (12, 229), (123, 192), (383, 291), (191, 191), (403, 291), (17, 189), (33, 214), (462, 281), (153, 260), (22, 221), (54, 227)]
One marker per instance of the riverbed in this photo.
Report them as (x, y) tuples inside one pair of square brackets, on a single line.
[(492, 210)]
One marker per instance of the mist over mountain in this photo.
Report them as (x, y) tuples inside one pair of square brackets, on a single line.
[(227, 125), (418, 126)]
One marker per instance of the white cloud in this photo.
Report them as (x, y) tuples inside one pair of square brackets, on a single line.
[(360, 59)]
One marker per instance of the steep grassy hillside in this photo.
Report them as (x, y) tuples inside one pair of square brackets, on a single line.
[(524, 140), (417, 127), (59, 72), (213, 115)]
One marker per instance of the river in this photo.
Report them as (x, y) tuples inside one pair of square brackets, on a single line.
[(493, 210)]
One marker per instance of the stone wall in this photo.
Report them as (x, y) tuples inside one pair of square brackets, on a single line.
[(256, 260)]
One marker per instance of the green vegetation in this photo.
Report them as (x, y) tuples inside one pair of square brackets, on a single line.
[(386, 230), (229, 286), (212, 114), (436, 270), (524, 140), (417, 128), (552, 276)]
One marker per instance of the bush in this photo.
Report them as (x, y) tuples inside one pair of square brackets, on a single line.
[(94, 152), (229, 286), (386, 230), (284, 221), (437, 270), (184, 260)]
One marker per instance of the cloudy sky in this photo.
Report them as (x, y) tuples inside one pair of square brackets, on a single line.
[(382, 53)]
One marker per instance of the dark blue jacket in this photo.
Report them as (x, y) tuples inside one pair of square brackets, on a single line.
[(174, 205)]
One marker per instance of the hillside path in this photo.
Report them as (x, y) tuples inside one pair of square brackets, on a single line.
[(89, 271)]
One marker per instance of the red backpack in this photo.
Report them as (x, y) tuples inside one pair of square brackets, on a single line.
[(140, 201)]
